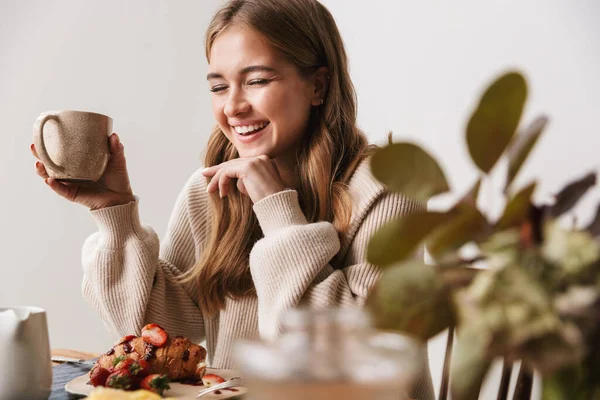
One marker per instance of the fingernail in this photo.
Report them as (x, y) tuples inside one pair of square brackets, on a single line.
[(37, 164), (46, 181), (31, 146)]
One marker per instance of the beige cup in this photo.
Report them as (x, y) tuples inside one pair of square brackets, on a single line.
[(73, 145)]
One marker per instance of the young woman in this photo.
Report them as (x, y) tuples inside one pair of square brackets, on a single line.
[(281, 215)]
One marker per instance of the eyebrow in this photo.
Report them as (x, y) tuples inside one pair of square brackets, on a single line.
[(243, 71)]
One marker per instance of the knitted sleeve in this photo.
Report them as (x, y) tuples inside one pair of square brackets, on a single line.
[(291, 264), (131, 280)]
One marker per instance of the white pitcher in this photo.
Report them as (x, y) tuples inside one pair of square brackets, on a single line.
[(25, 366)]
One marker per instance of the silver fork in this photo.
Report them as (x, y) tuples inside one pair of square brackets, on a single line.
[(225, 385), (71, 360)]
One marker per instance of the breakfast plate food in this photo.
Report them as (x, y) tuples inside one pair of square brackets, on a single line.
[(180, 391), (168, 366)]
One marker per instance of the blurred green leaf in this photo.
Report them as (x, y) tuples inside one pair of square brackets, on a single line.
[(594, 227), (571, 194), (574, 252), (521, 146), (399, 239), (458, 277), (509, 304), (408, 169), (410, 297), (554, 350), (470, 363), (517, 209), (565, 384), (470, 198), (466, 224), (494, 122)]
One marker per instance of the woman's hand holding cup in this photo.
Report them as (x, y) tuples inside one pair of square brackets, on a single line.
[(112, 189)]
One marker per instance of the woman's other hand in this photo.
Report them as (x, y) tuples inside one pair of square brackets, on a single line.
[(257, 177)]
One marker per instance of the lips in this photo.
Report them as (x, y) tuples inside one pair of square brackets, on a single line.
[(250, 129), (245, 134)]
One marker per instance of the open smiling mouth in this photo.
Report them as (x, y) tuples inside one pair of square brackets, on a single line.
[(250, 129)]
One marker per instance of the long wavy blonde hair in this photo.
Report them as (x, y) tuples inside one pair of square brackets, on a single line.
[(306, 34)]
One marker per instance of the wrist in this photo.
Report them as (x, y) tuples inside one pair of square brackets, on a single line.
[(116, 201), (268, 193)]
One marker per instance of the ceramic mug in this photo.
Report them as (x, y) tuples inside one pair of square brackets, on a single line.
[(25, 366), (73, 145)]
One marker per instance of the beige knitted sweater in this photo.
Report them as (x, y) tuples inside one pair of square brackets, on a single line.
[(129, 278)]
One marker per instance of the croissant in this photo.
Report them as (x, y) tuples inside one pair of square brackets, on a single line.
[(177, 357)]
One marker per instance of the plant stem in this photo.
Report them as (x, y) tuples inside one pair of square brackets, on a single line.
[(446, 370), (505, 380), (524, 382)]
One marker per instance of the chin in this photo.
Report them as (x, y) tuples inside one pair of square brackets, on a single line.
[(259, 151)]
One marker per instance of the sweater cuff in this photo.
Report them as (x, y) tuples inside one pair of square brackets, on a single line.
[(279, 210), (118, 223)]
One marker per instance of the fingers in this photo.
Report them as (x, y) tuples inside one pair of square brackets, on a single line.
[(219, 182), (117, 162), (68, 192), (115, 144), (241, 187), (41, 170), (224, 185), (210, 171), (33, 151), (213, 184)]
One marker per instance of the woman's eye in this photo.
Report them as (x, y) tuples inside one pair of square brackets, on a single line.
[(258, 82), (218, 88)]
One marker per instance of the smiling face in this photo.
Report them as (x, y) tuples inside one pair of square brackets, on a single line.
[(260, 101)]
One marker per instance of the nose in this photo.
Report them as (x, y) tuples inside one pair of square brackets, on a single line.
[(236, 103)]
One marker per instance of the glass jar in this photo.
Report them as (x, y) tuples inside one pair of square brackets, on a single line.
[(329, 354)]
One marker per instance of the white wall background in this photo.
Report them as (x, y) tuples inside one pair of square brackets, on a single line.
[(418, 68)]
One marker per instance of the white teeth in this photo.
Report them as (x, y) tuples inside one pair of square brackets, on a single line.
[(249, 128)]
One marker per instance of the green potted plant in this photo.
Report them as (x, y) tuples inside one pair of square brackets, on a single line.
[(529, 290)]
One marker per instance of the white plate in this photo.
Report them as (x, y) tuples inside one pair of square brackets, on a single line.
[(80, 386)]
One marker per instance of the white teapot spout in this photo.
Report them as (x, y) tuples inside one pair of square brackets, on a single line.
[(12, 321)]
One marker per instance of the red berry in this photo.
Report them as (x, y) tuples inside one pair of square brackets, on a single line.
[(122, 362), (212, 379), (139, 368), (156, 383), (124, 339), (155, 335), (98, 376), (119, 380)]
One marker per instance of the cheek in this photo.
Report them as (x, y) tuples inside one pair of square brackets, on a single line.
[(287, 108), (218, 114)]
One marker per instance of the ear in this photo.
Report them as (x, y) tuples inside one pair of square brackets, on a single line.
[(320, 82)]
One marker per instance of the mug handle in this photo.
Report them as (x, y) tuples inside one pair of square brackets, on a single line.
[(40, 146)]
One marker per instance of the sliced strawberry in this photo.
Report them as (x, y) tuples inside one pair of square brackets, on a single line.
[(119, 380), (155, 335), (212, 379), (122, 362), (98, 376), (124, 339), (139, 368), (156, 383)]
